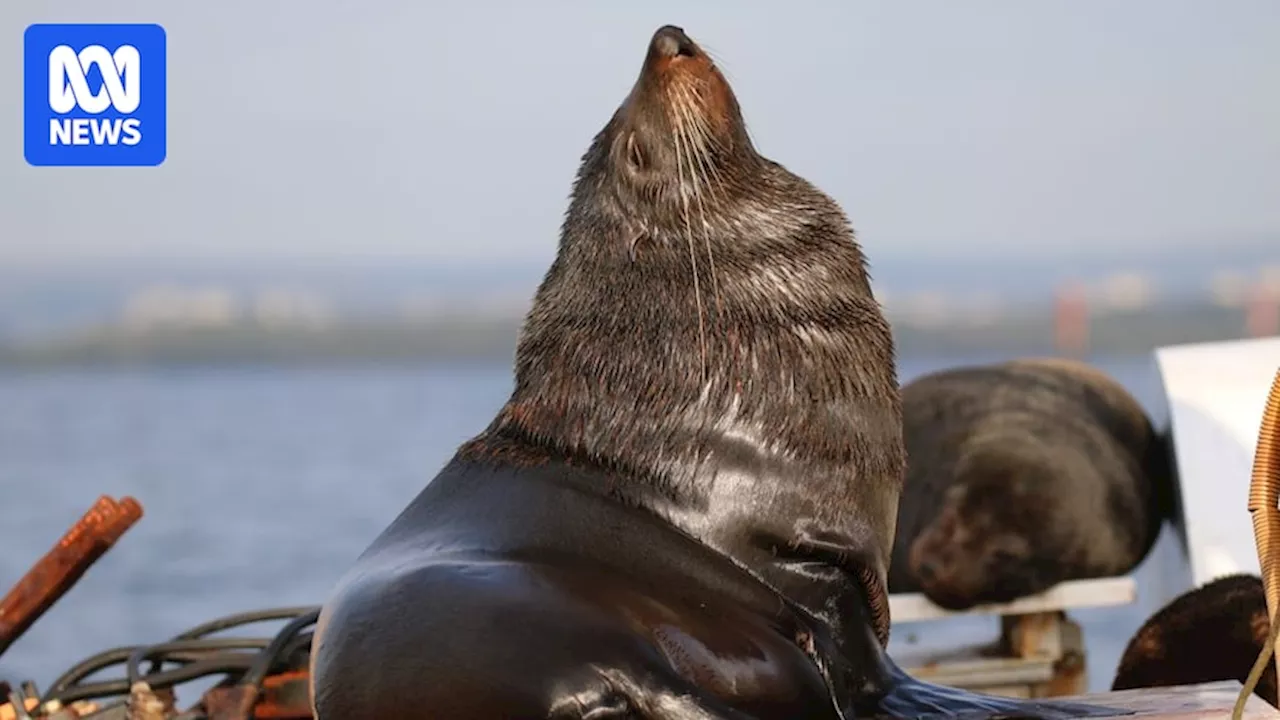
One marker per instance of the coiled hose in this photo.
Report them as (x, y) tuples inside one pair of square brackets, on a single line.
[(1264, 510), (196, 654)]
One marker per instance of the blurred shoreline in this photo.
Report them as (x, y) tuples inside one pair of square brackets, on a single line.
[(453, 337)]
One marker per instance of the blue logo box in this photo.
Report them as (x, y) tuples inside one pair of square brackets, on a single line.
[(94, 95)]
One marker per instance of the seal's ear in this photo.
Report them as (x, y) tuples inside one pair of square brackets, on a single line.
[(635, 153)]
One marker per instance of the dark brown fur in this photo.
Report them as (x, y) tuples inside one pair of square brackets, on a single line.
[(1022, 475), (1212, 633)]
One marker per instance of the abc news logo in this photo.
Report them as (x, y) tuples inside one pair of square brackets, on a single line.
[(94, 94), (69, 89)]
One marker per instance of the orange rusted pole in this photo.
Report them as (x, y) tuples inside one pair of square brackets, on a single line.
[(62, 566)]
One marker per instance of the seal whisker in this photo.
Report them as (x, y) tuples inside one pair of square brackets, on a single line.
[(701, 138), (678, 128), (697, 148), (707, 141), (701, 104)]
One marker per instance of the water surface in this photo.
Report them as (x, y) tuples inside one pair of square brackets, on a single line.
[(261, 485)]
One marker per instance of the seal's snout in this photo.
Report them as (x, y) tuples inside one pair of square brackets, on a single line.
[(670, 41), (926, 572)]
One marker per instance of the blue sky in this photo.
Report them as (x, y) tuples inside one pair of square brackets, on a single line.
[(452, 131)]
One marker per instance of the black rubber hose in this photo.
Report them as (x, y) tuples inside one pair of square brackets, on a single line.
[(199, 656), (116, 656), (301, 643), (133, 673), (237, 620), (215, 664), (245, 618), (262, 664)]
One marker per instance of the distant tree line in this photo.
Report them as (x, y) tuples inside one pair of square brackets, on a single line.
[(472, 339)]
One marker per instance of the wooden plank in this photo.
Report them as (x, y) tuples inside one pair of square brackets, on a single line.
[(984, 674), (1039, 655), (1103, 592), (1186, 702)]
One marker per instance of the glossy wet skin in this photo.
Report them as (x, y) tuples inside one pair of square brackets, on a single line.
[(608, 646), (452, 614)]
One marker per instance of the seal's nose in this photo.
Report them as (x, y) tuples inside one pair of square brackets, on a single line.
[(925, 572), (671, 41)]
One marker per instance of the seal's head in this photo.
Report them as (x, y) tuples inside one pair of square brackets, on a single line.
[(981, 547), (678, 131), (1212, 633)]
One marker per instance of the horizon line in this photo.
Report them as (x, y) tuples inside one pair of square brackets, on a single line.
[(525, 261)]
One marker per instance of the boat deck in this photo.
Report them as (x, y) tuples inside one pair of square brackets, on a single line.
[(1188, 702), (1072, 595)]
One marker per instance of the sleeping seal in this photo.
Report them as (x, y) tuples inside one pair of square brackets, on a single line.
[(1022, 475)]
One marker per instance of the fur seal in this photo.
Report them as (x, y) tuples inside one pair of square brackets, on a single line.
[(1212, 633), (1021, 475), (685, 509)]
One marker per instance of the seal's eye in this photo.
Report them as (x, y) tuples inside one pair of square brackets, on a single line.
[(1003, 557), (635, 155)]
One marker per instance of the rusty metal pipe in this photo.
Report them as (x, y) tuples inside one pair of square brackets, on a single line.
[(55, 573)]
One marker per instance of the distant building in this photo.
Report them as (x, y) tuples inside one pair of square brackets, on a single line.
[(982, 308), (1071, 330), (161, 305), (1228, 288), (291, 307), (924, 309), (506, 304), (1262, 317), (1126, 291), (1269, 277)]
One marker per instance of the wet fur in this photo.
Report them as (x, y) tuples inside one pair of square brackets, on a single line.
[(1212, 633), (706, 351), (1022, 475)]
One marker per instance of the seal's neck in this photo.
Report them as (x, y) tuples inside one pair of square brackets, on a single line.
[(753, 354), (649, 367)]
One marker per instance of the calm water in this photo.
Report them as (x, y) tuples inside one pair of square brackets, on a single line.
[(261, 485)]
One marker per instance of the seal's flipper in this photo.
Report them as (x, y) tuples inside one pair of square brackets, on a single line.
[(912, 698)]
